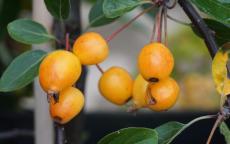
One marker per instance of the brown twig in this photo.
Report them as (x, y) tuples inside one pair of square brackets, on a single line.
[(216, 124)]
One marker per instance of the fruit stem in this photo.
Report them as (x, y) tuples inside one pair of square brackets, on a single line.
[(165, 26), (154, 30), (218, 121), (161, 22), (159, 25), (178, 21), (67, 42), (99, 68), (110, 37)]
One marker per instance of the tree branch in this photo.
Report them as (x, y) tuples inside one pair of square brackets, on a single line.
[(59, 134), (209, 39), (200, 25)]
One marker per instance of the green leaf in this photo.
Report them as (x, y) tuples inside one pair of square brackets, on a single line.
[(222, 31), (97, 17), (58, 8), (131, 136), (167, 131), (219, 9), (21, 71), (116, 8), (28, 32), (224, 130)]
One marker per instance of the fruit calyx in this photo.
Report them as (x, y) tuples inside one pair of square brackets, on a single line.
[(57, 119), (153, 80), (54, 95)]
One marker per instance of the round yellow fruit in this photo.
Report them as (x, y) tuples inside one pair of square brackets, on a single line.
[(165, 94), (116, 85), (59, 70), (155, 61), (91, 48), (70, 103), (139, 92)]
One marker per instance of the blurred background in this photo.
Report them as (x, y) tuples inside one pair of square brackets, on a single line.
[(192, 71)]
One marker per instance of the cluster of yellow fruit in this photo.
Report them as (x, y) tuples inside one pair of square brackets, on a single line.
[(61, 69), (154, 88), (57, 73)]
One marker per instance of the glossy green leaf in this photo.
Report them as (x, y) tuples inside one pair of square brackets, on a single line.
[(167, 131), (131, 136), (22, 70), (28, 32), (58, 8), (97, 17), (219, 9), (221, 31), (116, 8), (224, 130)]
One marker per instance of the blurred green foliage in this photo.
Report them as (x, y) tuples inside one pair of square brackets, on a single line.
[(190, 53), (193, 71)]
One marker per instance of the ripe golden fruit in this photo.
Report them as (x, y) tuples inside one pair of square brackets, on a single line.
[(139, 92), (59, 70), (91, 48), (155, 61), (71, 102), (116, 85), (165, 94)]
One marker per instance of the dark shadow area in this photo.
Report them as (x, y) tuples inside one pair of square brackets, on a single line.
[(99, 124)]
